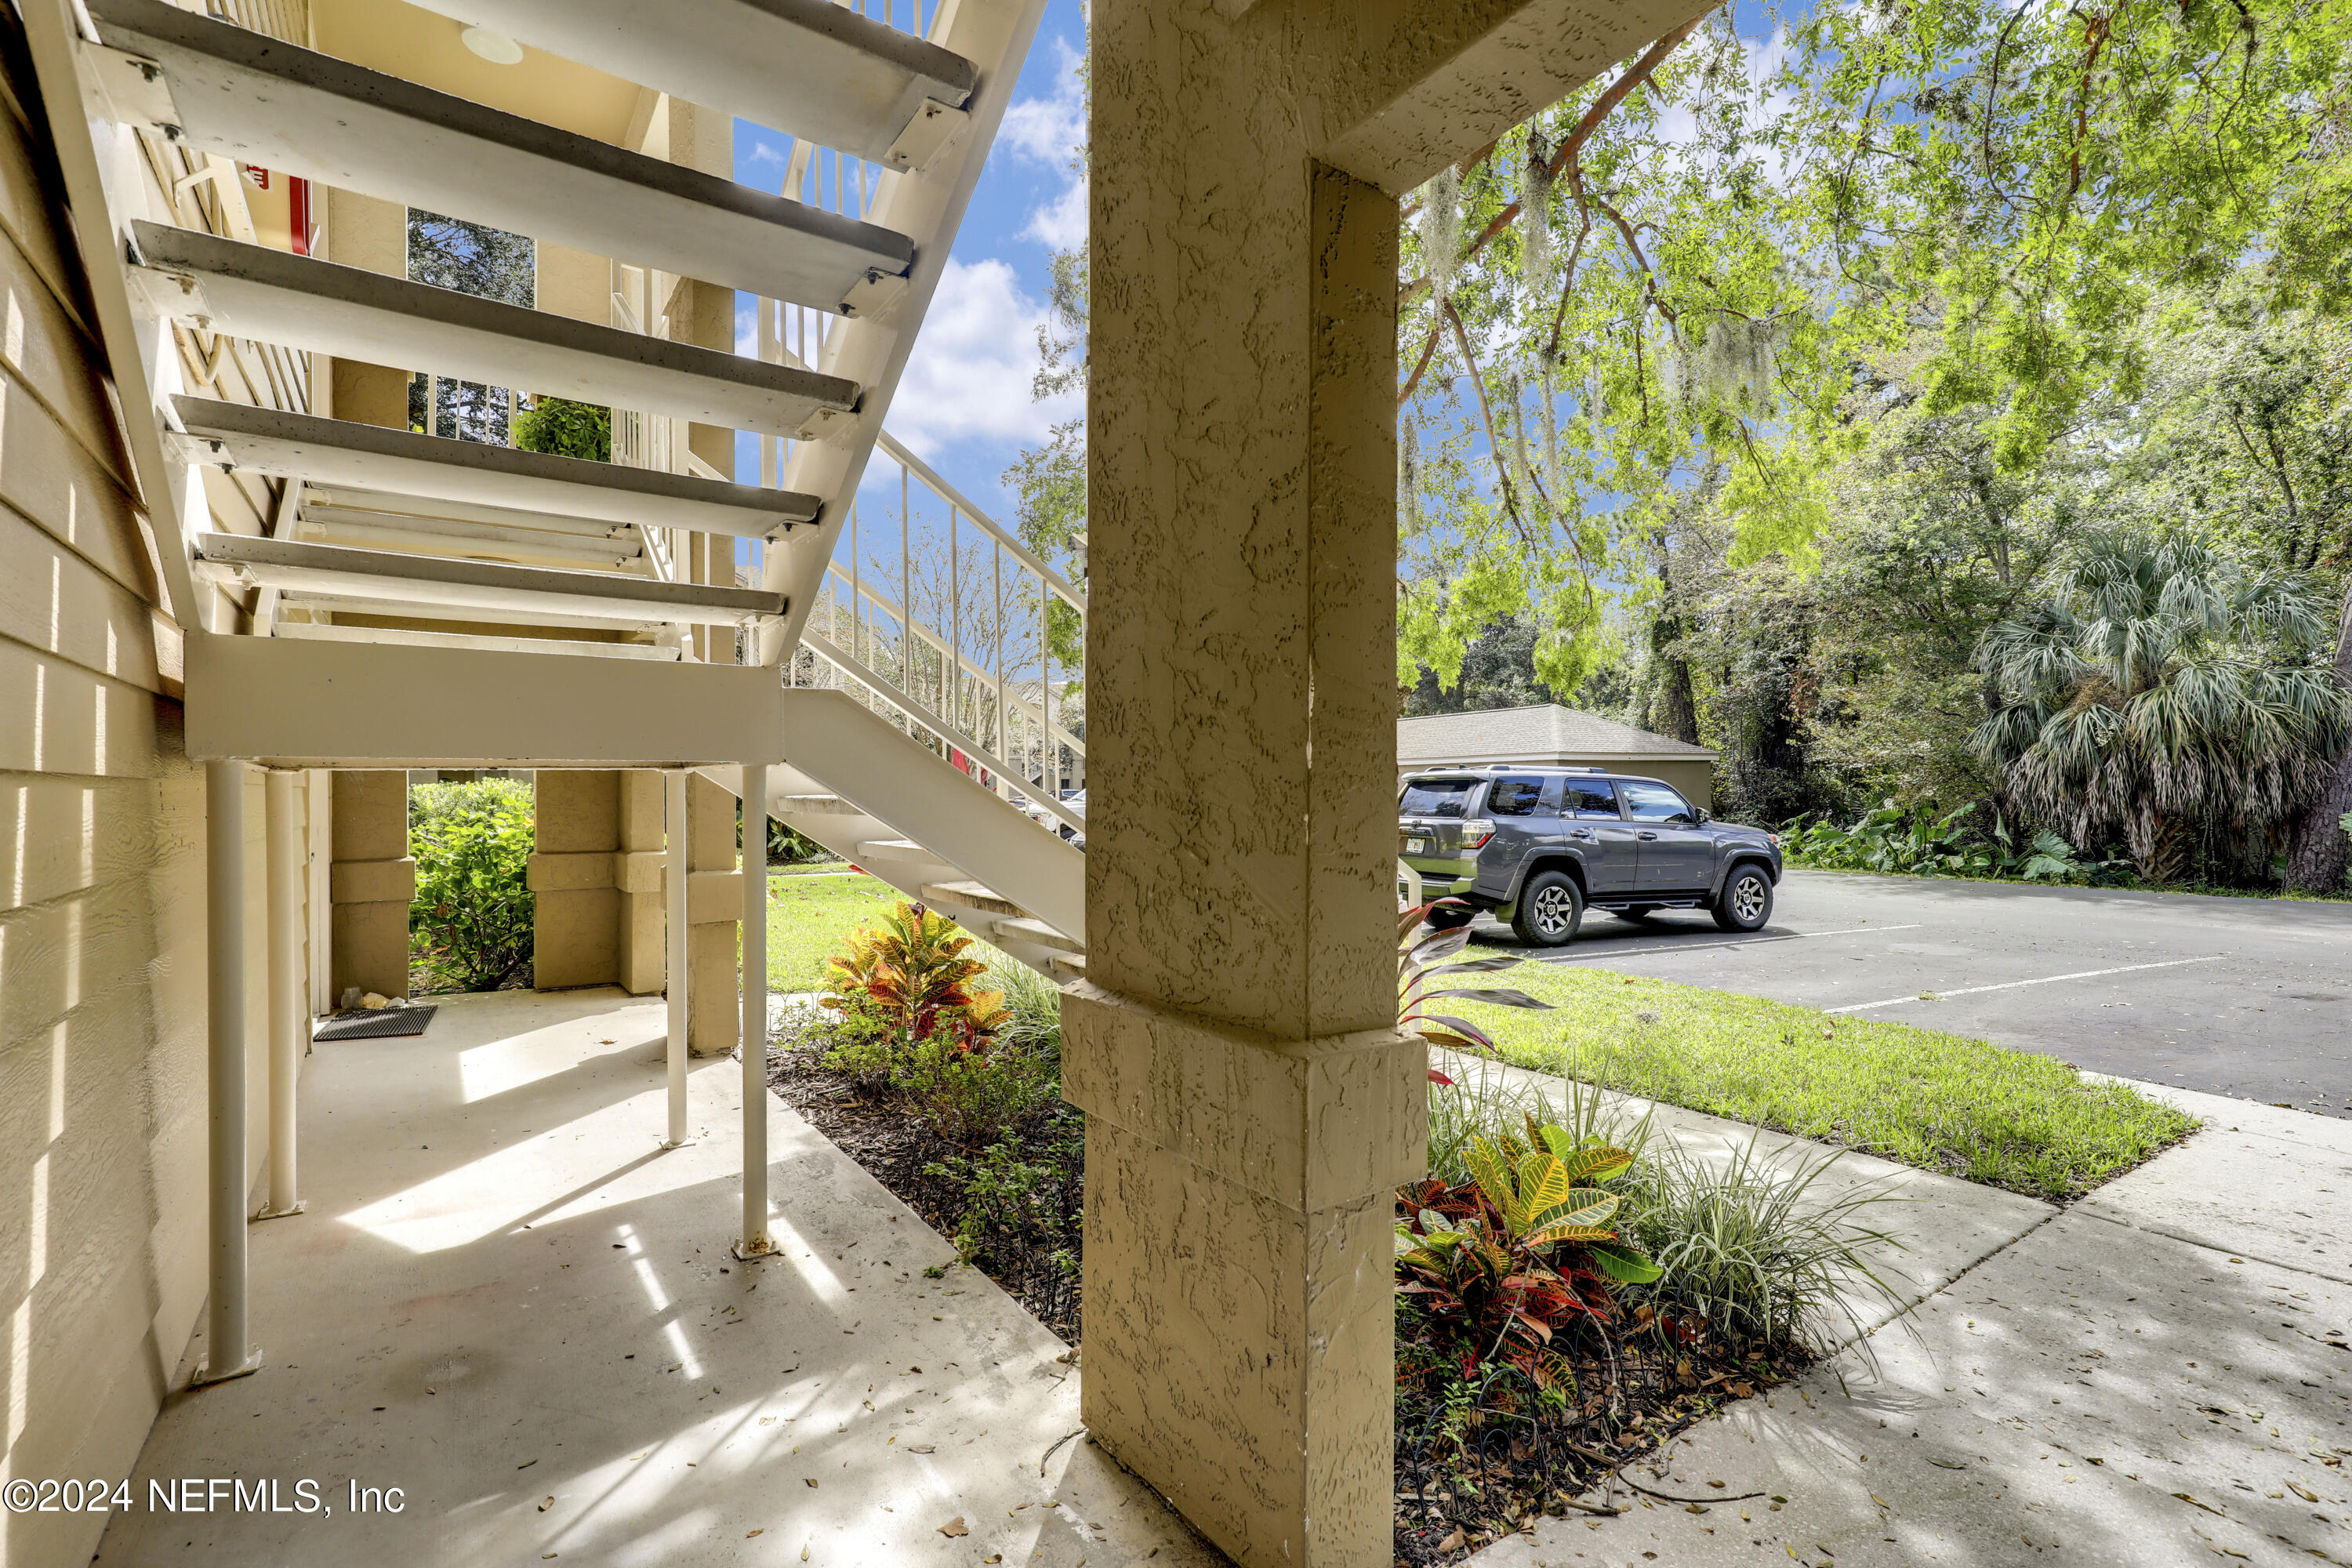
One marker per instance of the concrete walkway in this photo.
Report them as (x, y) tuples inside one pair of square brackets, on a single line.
[(507, 1301), (2158, 1375)]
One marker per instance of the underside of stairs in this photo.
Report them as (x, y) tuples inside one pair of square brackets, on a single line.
[(407, 599)]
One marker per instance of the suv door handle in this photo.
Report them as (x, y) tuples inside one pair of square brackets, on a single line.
[(1645, 835), (1579, 833)]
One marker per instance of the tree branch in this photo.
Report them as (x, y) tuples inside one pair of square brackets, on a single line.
[(1634, 76)]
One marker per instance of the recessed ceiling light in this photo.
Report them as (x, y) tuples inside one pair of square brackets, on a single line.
[(495, 47)]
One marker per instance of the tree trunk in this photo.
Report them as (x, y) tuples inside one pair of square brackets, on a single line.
[(1674, 708), (2316, 849)]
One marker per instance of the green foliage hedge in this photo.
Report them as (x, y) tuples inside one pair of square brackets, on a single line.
[(470, 927)]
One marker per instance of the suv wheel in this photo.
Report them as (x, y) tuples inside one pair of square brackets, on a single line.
[(1550, 908), (1746, 901)]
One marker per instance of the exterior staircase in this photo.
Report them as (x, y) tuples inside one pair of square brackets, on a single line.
[(399, 597)]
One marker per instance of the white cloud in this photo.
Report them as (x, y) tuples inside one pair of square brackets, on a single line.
[(969, 376), (1049, 131), (1060, 224)]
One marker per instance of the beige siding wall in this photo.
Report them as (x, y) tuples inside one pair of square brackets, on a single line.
[(103, 1108)]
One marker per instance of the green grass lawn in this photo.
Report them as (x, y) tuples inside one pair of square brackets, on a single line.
[(810, 919), (811, 915), (1938, 1101)]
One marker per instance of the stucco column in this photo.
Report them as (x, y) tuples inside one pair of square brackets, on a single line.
[(1251, 1106), (363, 231), (372, 882), (637, 876), (574, 864)]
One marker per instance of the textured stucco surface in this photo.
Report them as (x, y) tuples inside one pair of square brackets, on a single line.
[(1247, 1103), (374, 882)]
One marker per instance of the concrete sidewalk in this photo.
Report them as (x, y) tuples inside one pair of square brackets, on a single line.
[(2158, 1375), (506, 1301)]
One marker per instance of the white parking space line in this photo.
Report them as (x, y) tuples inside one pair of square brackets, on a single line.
[(2014, 985), (1652, 945)]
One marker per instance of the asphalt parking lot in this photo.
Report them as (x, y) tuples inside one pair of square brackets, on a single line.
[(2238, 997)]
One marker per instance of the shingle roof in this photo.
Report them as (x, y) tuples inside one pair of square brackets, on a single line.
[(1543, 731)]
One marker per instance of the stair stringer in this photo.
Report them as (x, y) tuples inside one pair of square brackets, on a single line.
[(900, 789)]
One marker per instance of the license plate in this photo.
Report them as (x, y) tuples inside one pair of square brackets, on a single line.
[(1414, 845)]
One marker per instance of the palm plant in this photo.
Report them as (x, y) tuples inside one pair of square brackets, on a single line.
[(1419, 962), (2156, 687)]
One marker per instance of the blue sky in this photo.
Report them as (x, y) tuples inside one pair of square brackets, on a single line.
[(964, 404)]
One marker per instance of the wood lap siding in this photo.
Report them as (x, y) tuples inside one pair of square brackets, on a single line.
[(102, 897)]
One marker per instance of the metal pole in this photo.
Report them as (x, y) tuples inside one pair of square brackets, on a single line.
[(906, 587), (674, 891), (1053, 758), (954, 660), (286, 1010), (1003, 714), (230, 1352), (755, 1242)]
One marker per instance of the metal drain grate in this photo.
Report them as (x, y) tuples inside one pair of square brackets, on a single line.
[(382, 1024)]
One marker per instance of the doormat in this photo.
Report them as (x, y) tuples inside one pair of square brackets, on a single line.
[(382, 1023)]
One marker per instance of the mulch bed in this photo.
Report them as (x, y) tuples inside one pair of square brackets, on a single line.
[(893, 1147), (1459, 1485)]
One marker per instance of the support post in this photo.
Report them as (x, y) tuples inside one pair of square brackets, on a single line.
[(755, 1242), (673, 890), (230, 1352), (287, 1012)]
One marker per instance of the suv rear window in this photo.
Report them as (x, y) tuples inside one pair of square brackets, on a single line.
[(1437, 797), (1515, 798)]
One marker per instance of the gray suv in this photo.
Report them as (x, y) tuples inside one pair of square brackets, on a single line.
[(1537, 847)]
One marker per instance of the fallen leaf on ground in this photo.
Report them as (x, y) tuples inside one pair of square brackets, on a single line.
[(1454, 1541), (954, 1527), (545, 1503)]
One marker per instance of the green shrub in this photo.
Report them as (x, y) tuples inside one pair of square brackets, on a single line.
[(1915, 842), (470, 927), (1024, 1198), (1752, 1252), (565, 428)]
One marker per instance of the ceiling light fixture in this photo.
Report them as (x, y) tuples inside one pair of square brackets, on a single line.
[(495, 47)]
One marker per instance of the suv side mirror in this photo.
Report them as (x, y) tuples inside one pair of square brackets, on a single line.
[(1705, 815)]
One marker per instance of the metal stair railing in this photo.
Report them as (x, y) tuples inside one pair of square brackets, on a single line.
[(976, 673)]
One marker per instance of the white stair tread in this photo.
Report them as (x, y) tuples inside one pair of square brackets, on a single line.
[(812, 805), (310, 631), (1038, 932), (270, 104), (299, 301), (366, 530), (902, 850), (972, 896), (808, 67), (490, 586), (1073, 964), (404, 463)]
